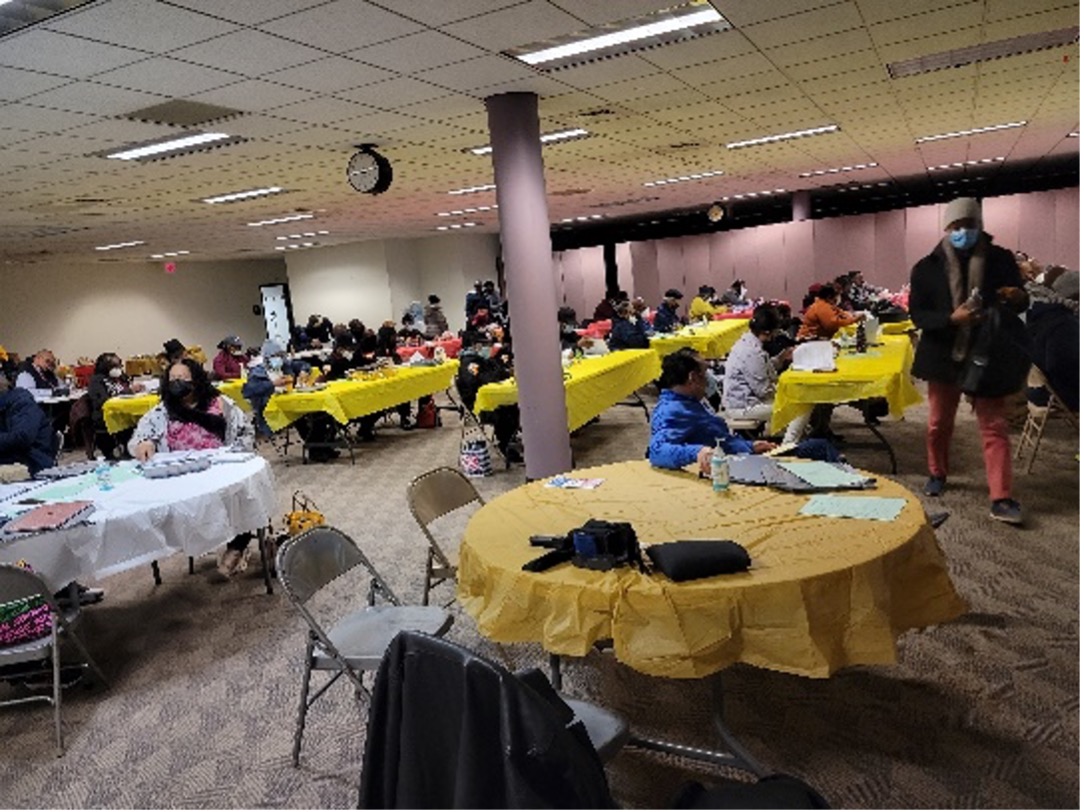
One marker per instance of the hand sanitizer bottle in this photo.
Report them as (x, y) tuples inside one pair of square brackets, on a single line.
[(720, 468)]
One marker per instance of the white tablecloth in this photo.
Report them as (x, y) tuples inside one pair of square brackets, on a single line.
[(142, 520)]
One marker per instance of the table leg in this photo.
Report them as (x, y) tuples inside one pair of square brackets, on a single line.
[(264, 542), (884, 443)]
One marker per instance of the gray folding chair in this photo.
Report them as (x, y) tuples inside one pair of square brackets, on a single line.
[(18, 584), (1032, 433), (434, 494), (358, 638)]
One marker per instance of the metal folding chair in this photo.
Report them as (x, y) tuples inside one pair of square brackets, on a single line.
[(18, 584), (1035, 424), (431, 495), (358, 638)]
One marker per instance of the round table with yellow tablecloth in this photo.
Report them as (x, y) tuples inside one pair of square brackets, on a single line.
[(822, 593)]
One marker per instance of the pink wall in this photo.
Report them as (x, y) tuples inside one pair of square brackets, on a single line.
[(784, 259)]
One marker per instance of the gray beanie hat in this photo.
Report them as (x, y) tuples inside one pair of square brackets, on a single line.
[(962, 208), (1068, 285)]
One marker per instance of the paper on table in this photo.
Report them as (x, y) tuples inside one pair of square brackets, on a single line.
[(562, 481), (814, 356), (823, 474), (881, 508)]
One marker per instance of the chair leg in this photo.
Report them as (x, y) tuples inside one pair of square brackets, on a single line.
[(191, 565), (303, 706), (428, 577), (56, 693), (157, 573)]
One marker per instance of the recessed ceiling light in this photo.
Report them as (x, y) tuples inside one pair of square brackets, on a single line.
[(245, 195), (545, 138), (456, 226), (469, 190), (648, 31), (117, 245), (290, 218), (583, 218), (771, 139), (962, 164), (681, 178), (992, 128), (160, 147), (836, 170), (468, 210), (747, 195), (165, 254)]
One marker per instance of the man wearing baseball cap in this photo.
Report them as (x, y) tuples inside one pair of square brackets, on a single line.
[(950, 288), (666, 317)]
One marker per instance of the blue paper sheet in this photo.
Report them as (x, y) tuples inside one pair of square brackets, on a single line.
[(880, 508)]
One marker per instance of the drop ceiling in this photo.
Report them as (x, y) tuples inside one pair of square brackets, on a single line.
[(313, 78)]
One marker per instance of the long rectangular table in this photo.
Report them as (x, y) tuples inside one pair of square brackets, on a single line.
[(343, 400), (592, 385), (712, 340)]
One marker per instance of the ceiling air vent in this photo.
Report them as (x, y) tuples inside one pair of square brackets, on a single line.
[(629, 202), (182, 113), (569, 192), (957, 58)]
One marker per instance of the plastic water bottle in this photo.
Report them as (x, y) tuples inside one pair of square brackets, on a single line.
[(720, 469), (104, 475)]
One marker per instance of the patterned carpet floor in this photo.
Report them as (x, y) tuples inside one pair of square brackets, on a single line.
[(981, 712)]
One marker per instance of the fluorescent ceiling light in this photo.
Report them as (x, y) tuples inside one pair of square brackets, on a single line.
[(634, 33), (302, 235), (165, 254), (469, 190), (468, 210), (999, 49), (582, 218), (681, 178), (838, 169), (114, 245), (245, 195), (992, 128), (962, 164), (748, 195), (771, 139), (456, 226), (545, 138), (295, 246), (290, 218), (172, 145), (1074, 135)]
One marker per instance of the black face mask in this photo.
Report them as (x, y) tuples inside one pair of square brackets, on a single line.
[(180, 389)]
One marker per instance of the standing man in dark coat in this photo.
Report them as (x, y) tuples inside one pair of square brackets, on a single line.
[(949, 288)]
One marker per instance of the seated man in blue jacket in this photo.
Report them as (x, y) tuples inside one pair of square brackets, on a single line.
[(26, 435), (684, 431)]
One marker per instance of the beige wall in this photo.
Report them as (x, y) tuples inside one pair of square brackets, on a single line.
[(130, 309)]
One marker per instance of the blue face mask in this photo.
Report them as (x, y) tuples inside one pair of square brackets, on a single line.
[(275, 363), (964, 238)]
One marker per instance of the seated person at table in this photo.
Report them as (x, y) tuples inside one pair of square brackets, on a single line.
[(409, 334), (38, 373), (318, 329), (228, 362), (736, 295), (863, 294), (607, 308), (666, 317), (823, 318), (475, 371), (701, 307), (1054, 326), (174, 351), (684, 431), (785, 336), (108, 381), (751, 375), (385, 348), (629, 332), (436, 323), (191, 416), (26, 436), (566, 323)]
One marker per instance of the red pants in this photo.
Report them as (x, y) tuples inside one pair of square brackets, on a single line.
[(944, 398)]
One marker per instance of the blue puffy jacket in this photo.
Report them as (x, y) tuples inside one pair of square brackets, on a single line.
[(26, 435), (681, 426)]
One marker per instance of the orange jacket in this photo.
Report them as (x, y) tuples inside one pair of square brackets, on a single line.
[(822, 319)]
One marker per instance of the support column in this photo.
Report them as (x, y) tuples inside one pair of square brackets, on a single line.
[(531, 287), (801, 206)]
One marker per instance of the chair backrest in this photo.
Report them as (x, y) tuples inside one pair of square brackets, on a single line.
[(17, 583), (450, 729), (439, 492), (310, 561)]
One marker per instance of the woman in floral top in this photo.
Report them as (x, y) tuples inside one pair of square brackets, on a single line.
[(192, 416)]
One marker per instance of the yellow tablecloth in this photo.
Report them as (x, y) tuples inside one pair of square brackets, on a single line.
[(882, 372), (714, 340), (346, 400), (897, 328), (822, 593), (593, 384)]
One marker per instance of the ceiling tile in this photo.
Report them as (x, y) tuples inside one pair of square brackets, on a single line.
[(330, 75), (252, 95), (167, 77), (394, 92), (96, 99), (954, 18), (805, 25), (605, 72), (642, 88), (247, 12), (877, 11), (249, 53), (17, 84), (63, 55), (417, 52), (593, 12), (447, 11), (475, 73), (325, 110), (514, 26), (539, 85), (834, 46), (119, 22), (30, 118), (342, 25)]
